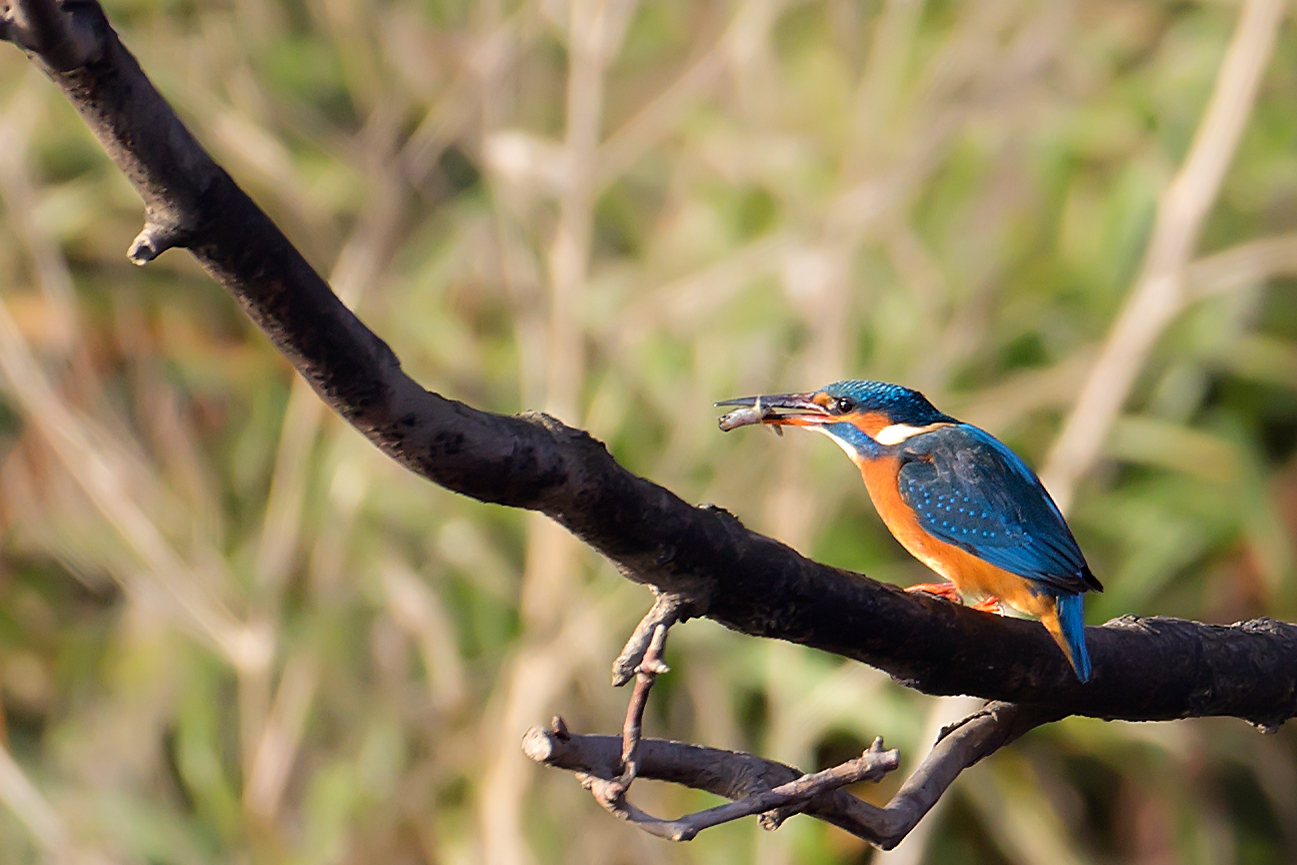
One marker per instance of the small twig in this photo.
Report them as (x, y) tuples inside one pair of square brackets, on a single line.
[(668, 609), (760, 786), (155, 238), (873, 764), (632, 730)]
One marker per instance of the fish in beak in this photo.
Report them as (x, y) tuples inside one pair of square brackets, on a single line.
[(774, 410)]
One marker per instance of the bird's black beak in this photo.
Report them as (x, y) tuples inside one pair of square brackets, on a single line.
[(797, 409)]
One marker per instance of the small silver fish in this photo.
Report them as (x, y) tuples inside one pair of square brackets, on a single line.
[(748, 415)]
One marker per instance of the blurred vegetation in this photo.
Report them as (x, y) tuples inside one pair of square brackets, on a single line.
[(231, 631)]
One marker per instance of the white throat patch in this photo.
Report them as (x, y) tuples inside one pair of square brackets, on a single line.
[(899, 432)]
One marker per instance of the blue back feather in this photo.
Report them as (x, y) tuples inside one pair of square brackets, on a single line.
[(969, 490)]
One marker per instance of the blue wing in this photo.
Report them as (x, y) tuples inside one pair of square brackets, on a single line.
[(969, 490)]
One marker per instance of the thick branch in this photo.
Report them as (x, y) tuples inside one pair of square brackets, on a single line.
[(756, 784), (1145, 669)]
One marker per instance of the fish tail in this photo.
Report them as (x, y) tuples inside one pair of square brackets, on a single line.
[(1067, 627)]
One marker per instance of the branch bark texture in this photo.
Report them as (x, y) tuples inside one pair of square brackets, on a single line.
[(1145, 669)]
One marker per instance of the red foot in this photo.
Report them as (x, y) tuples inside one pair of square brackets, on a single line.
[(941, 590), (990, 605)]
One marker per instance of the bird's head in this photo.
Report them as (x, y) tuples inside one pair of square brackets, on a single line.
[(863, 417)]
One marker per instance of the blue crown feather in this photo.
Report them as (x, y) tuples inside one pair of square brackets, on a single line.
[(899, 404)]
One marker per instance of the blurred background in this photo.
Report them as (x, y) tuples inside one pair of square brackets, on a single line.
[(232, 631)]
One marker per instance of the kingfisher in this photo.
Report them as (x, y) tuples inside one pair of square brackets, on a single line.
[(954, 496)]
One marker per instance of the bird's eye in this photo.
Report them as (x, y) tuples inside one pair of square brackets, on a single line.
[(842, 405)]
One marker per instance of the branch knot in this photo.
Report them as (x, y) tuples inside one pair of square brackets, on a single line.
[(62, 36)]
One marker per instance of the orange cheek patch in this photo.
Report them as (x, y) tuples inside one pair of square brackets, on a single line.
[(870, 422)]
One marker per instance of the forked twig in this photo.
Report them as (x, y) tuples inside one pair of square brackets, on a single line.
[(775, 804), (745, 778), (668, 609), (760, 786), (646, 673), (642, 656)]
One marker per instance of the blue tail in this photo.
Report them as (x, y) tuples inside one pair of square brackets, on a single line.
[(1071, 620)]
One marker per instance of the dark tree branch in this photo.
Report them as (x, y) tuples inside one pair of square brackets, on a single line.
[(1145, 669), (757, 785)]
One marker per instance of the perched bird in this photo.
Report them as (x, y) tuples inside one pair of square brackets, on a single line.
[(954, 496)]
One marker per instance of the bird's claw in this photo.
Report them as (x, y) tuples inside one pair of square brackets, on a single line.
[(950, 593), (941, 590)]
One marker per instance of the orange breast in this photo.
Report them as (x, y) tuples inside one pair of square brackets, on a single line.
[(972, 576)]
